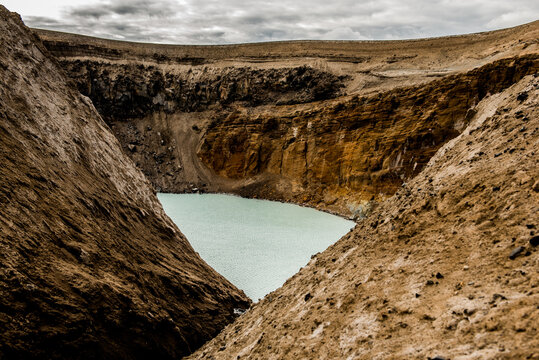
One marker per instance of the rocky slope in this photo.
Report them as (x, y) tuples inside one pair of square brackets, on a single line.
[(90, 266), (329, 124), (444, 269)]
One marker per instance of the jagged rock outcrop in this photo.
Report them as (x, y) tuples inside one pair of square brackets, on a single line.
[(445, 269), (327, 124), (127, 91), (90, 266)]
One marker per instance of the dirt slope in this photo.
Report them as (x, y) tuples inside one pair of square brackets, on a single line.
[(331, 124), (90, 266), (446, 268)]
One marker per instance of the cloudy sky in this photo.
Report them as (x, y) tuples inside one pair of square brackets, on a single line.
[(238, 21)]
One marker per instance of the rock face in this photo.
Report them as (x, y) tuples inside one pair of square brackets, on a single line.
[(90, 266), (428, 274), (128, 91), (360, 147), (328, 124)]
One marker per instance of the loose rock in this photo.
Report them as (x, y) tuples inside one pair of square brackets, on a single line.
[(516, 252)]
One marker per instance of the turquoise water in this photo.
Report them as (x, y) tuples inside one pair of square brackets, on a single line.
[(256, 244)]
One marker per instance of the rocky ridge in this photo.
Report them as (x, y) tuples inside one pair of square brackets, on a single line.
[(90, 265), (444, 269)]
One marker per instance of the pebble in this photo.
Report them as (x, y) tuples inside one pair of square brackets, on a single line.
[(439, 276), (534, 241), (516, 252), (522, 96)]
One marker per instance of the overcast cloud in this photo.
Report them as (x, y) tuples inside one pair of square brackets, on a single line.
[(236, 21)]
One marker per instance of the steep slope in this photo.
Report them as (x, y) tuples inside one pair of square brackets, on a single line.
[(90, 266), (331, 124), (446, 268)]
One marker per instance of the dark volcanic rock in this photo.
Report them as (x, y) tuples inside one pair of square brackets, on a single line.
[(121, 91), (90, 266)]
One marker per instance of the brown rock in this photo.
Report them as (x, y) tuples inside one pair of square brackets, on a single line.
[(90, 266)]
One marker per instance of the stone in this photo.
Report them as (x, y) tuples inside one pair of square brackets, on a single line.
[(516, 252), (534, 241), (496, 297), (522, 96), (239, 311)]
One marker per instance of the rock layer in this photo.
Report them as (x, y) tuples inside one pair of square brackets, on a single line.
[(90, 266), (327, 124), (358, 148)]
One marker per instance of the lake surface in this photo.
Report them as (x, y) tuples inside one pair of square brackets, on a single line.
[(256, 244)]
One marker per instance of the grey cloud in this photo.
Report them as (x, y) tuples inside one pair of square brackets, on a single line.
[(234, 21), (150, 8), (89, 12), (163, 8), (43, 21)]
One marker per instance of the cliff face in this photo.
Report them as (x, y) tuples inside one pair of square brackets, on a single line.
[(328, 124), (356, 148), (128, 91), (90, 266), (446, 268)]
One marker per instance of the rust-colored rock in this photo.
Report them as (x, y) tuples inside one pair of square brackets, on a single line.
[(358, 148)]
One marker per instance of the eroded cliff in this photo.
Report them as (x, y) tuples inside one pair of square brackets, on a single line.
[(90, 266), (444, 269), (327, 124)]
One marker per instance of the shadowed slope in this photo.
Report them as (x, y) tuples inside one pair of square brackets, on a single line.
[(90, 266)]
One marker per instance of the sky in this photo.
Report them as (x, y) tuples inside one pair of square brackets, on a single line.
[(240, 21)]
